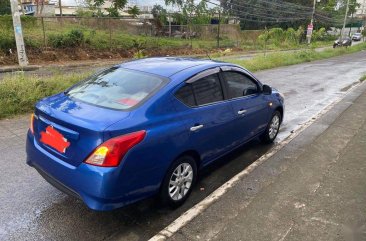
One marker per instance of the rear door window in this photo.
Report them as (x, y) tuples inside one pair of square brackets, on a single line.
[(201, 92), (208, 90), (117, 88)]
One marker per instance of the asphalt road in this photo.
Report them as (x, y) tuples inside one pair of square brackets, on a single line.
[(252, 55), (31, 209)]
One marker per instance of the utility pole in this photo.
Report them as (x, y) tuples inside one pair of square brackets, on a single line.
[(310, 31), (60, 6), (364, 23), (22, 57), (350, 26), (218, 30), (170, 19), (345, 20)]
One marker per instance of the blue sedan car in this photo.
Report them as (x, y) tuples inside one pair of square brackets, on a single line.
[(147, 127)]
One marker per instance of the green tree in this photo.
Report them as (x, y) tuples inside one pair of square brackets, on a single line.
[(193, 11), (133, 11), (113, 10), (179, 18), (160, 15), (5, 7)]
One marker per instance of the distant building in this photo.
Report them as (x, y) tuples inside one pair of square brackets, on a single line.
[(30, 8), (361, 10)]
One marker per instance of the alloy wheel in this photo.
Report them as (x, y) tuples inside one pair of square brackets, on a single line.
[(274, 126), (180, 181)]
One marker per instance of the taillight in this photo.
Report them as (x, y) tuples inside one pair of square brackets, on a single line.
[(111, 152), (31, 125)]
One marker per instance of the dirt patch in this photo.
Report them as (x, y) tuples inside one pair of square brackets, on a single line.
[(49, 55)]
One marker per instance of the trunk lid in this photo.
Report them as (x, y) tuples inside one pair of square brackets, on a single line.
[(70, 129)]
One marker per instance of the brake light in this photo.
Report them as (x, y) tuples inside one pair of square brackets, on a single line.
[(31, 125), (111, 152)]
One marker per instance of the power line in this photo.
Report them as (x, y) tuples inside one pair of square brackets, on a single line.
[(273, 9), (268, 16), (276, 18), (265, 16), (281, 4), (267, 21)]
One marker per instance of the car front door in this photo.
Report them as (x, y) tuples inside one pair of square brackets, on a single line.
[(209, 116), (250, 106)]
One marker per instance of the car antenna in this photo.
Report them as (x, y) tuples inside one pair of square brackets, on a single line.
[(208, 55)]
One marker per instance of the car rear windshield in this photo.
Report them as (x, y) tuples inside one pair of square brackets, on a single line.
[(116, 88)]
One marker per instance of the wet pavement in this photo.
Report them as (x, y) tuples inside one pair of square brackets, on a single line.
[(31, 209), (313, 188)]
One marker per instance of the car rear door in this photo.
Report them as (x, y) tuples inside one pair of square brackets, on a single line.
[(208, 115), (250, 106)]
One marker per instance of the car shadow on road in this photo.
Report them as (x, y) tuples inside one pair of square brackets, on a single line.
[(70, 219)]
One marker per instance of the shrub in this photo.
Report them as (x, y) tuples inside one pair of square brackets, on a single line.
[(319, 35), (277, 35), (56, 40), (7, 42), (291, 36), (29, 42), (74, 38), (300, 34)]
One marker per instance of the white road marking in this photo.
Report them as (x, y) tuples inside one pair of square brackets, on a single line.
[(287, 232), (193, 212)]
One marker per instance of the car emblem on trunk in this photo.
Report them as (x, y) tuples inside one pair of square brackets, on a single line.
[(54, 139)]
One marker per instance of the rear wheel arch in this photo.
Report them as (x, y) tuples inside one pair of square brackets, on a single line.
[(192, 153), (189, 157)]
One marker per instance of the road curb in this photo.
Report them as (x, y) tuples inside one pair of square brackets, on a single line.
[(18, 68)]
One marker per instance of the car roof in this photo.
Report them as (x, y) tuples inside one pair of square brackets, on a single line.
[(166, 66)]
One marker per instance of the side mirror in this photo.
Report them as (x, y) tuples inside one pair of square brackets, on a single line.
[(267, 90)]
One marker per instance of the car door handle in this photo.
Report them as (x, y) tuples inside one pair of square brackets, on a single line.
[(195, 128), (241, 112)]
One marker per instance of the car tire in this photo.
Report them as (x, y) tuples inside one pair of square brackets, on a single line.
[(178, 181), (273, 127)]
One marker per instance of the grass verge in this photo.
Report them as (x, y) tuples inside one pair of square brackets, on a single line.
[(19, 92), (273, 60), (363, 78)]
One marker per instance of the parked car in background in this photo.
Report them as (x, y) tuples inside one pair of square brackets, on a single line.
[(357, 37), (345, 41), (147, 127)]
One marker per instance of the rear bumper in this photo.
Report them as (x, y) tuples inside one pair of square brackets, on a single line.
[(96, 186), (57, 184)]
